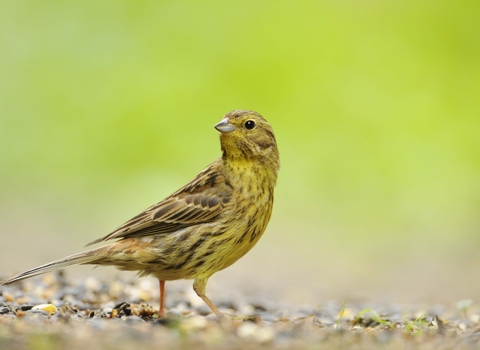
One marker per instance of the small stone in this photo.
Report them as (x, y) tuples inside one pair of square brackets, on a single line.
[(49, 308), (37, 312), (194, 323), (49, 279), (69, 298), (181, 307), (174, 312), (8, 296), (265, 335), (134, 319), (144, 291), (475, 318), (266, 316), (121, 306), (253, 332), (247, 330), (26, 307), (23, 300), (247, 309), (91, 283), (107, 312), (108, 305)]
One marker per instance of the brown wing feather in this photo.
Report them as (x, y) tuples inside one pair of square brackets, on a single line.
[(200, 201)]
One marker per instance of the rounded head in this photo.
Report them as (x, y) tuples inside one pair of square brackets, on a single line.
[(247, 135)]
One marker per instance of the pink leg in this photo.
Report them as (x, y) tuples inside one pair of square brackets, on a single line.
[(161, 313)]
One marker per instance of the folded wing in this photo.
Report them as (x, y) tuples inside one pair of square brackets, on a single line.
[(199, 202)]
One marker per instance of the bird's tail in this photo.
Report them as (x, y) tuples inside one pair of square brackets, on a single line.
[(87, 257)]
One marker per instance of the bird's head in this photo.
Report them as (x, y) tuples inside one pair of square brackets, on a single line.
[(247, 136)]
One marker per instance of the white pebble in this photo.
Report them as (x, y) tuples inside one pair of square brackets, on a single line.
[(253, 332), (50, 308), (475, 318), (247, 330), (247, 309), (195, 322), (91, 283)]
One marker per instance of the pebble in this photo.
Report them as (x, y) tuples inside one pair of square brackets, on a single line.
[(25, 307), (134, 319), (107, 310), (33, 316), (266, 316), (253, 332), (93, 284), (194, 323), (49, 308), (174, 313), (247, 309), (38, 312), (8, 296), (475, 318)]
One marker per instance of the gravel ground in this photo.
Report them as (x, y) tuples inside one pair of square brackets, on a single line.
[(54, 312)]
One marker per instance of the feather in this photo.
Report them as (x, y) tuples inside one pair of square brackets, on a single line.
[(76, 259)]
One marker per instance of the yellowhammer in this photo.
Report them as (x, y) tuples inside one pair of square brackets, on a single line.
[(206, 225)]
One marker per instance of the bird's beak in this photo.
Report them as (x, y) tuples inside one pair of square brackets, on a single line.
[(224, 126)]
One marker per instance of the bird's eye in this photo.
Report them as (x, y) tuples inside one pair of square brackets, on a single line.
[(249, 124)]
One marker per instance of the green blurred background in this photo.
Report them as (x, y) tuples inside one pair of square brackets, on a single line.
[(108, 107)]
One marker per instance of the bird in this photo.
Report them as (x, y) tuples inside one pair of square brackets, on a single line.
[(205, 226)]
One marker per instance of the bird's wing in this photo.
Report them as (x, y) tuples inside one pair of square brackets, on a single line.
[(200, 201)]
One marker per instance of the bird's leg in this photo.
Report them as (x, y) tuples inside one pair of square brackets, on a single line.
[(200, 287), (161, 313)]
